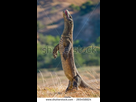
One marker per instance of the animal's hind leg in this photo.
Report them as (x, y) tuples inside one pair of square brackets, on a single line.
[(70, 86), (77, 82)]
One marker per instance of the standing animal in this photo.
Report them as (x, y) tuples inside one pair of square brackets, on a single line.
[(65, 48)]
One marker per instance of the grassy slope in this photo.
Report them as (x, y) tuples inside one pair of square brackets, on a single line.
[(54, 84), (60, 92)]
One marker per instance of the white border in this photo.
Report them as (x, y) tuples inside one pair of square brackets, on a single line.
[(68, 99)]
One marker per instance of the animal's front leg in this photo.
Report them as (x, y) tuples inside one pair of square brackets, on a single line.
[(56, 48), (68, 46)]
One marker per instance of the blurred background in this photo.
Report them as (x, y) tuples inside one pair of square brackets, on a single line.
[(50, 25)]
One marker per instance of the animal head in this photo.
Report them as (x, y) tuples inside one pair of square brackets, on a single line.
[(67, 17)]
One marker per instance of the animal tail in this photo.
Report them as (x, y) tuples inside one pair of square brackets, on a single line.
[(85, 85)]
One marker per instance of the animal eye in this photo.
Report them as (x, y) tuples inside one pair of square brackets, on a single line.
[(70, 17)]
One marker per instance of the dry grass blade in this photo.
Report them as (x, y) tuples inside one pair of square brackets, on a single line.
[(42, 78), (94, 85), (53, 80), (58, 78), (92, 76), (59, 85), (95, 73), (83, 92)]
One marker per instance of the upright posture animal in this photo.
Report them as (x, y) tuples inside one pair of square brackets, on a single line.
[(65, 48)]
